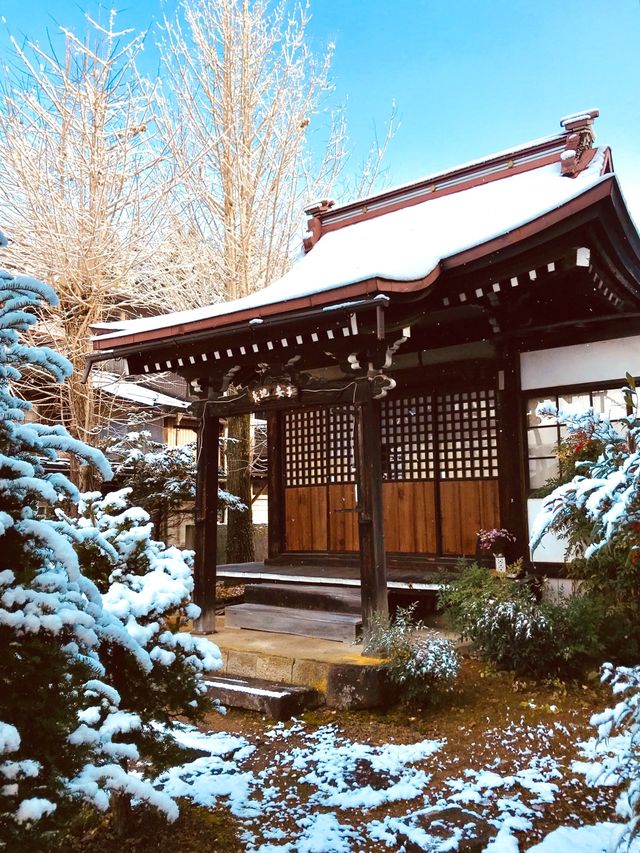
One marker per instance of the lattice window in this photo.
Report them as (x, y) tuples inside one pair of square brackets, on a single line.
[(341, 462), (407, 428), (305, 439), (467, 431)]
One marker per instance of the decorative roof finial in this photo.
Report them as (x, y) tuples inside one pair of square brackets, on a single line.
[(580, 139)]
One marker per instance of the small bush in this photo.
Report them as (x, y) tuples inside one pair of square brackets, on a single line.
[(511, 630), (423, 666)]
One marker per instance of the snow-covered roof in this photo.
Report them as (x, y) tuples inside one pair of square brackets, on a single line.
[(402, 245), (115, 385)]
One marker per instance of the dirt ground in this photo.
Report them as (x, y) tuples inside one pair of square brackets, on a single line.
[(492, 720)]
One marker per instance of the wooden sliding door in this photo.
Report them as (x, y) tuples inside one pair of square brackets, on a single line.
[(408, 470), (319, 488), (439, 467), (467, 467)]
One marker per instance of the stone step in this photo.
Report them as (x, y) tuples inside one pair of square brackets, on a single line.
[(274, 700), (334, 599), (343, 627)]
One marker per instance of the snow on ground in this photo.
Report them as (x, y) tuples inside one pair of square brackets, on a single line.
[(321, 792), (600, 838)]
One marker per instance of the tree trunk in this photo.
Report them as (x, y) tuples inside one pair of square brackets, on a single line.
[(121, 813), (239, 524)]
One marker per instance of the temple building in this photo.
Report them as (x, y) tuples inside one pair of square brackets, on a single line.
[(398, 364)]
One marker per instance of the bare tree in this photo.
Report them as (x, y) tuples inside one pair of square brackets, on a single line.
[(243, 94), (79, 179)]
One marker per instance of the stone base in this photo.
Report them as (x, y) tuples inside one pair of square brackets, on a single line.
[(339, 672), (273, 700)]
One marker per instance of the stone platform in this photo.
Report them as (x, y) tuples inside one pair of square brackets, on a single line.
[(338, 671)]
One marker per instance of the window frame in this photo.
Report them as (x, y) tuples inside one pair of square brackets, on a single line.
[(554, 393)]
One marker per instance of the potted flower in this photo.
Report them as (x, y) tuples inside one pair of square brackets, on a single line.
[(496, 541)]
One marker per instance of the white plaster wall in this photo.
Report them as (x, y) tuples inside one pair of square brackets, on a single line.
[(551, 549), (600, 361), (559, 589), (260, 509)]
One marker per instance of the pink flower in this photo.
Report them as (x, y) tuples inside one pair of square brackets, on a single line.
[(495, 540)]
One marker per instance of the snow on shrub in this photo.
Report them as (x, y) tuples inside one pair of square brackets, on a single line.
[(605, 491), (422, 664), (147, 587), (509, 628), (74, 651), (623, 764), (431, 666), (598, 515), (162, 478)]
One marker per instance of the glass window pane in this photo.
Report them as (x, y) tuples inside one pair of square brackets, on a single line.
[(540, 470), (574, 402), (542, 441), (610, 403), (533, 419)]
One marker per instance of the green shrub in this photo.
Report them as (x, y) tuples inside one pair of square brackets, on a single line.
[(424, 666), (511, 630)]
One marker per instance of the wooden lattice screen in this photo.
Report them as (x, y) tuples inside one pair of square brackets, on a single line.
[(320, 446), (455, 433), (341, 444), (467, 433), (439, 464), (408, 441), (306, 447)]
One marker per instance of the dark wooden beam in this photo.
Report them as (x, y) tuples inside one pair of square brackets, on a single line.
[(311, 393), (511, 454), (275, 479), (373, 576), (206, 523)]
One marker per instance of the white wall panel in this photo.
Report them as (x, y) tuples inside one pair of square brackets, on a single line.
[(551, 549), (599, 361)]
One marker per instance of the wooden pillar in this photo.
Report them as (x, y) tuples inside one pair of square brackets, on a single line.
[(275, 461), (511, 451), (204, 594), (373, 577)]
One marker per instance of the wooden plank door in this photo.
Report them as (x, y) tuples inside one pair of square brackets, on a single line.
[(305, 478), (408, 470), (319, 480)]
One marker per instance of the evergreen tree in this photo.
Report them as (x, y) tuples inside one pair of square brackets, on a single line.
[(65, 732), (161, 479)]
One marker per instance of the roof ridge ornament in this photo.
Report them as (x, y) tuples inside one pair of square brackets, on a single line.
[(579, 149), (314, 224)]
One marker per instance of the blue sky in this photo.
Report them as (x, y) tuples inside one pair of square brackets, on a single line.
[(468, 76)]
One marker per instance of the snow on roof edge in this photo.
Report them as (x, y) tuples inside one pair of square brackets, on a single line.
[(113, 384)]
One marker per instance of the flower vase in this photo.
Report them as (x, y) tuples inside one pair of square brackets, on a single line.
[(501, 563)]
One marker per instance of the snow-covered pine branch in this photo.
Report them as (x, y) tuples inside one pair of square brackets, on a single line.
[(605, 491)]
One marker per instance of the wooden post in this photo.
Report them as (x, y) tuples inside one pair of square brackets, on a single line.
[(511, 451), (204, 594), (373, 579), (275, 463)]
